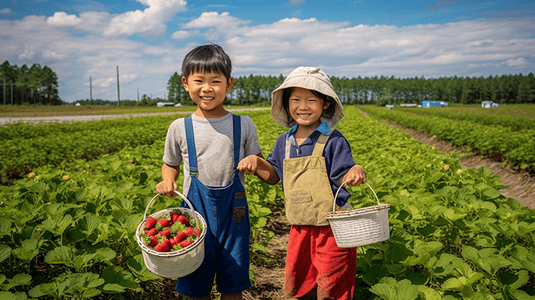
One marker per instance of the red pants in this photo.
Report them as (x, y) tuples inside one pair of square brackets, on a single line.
[(313, 258)]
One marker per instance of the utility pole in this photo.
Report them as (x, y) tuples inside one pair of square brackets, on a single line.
[(118, 91), (90, 89), (11, 83), (137, 94), (4, 91)]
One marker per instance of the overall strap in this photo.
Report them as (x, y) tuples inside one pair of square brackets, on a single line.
[(192, 154), (320, 144), (287, 149), (236, 136)]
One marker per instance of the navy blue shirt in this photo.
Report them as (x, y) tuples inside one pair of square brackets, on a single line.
[(337, 153)]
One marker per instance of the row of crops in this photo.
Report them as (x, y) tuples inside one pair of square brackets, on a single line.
[(56, 144), (69, 231), (503, 138)]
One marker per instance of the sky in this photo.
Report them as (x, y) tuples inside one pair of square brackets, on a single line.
[(148, 39)]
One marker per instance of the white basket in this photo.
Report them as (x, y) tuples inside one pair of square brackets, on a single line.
[(177, 263), (359, 227)]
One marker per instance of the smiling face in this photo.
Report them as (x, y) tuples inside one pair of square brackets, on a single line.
[(306, 108), (208, 91)]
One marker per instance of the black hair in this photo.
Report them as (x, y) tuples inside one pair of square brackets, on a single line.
[(207, 58), (327, 112)]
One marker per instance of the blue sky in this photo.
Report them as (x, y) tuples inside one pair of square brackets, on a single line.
[(148, 39)]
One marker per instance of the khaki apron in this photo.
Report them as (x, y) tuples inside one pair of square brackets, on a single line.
[(307, 190)]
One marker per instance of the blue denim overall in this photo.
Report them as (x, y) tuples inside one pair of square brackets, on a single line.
[(226, 243)]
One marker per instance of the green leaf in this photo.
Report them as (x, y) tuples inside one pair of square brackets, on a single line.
[(60, 255), (390, 289), (137, 266), (8, 296), (43, 290), (428, 293), (5, 226), (492, 193), (117, 275), (445, 265), (5, 252), (27, 251), (113, 288), (18, 279)]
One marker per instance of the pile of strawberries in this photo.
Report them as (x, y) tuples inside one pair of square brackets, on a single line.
[(171, 232)]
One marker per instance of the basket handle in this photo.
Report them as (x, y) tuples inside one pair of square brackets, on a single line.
[(336, 196), (192, 210)]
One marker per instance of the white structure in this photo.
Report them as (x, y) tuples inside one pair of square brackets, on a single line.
[(488, 104), (162, 104)]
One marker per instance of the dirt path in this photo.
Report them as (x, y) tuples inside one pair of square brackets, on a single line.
[(521, 186)]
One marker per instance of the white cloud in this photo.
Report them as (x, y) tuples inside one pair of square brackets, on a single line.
[(516, 63), (181, 35), (6, 11), (94, 43), (214, 19), (63, 19), (149, 22)]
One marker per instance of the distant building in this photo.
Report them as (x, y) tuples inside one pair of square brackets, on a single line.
[(426, 104), (488, 104), (408, 105), (162, 104), (389, 106)]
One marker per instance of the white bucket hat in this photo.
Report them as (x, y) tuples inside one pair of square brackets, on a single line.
[(311, 78)]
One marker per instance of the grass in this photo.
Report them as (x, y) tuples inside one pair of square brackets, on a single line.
[(25, 111)]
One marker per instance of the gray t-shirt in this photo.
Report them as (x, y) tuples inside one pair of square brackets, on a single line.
[(214, 147)]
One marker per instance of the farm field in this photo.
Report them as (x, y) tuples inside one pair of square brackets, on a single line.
[(504, 138), (29, 111), (68, 232)]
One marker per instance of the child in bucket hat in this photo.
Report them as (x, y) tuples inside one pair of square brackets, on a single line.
[(311, 160)]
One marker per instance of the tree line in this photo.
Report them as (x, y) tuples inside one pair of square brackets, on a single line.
[(33, 85), (382, 90), (39, 85)]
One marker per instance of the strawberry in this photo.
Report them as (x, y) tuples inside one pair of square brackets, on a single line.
[(186, 243), (151, 221), (173, 242), (152, 232), (183, 220), (189, 231), (197, 232), (146, 231), (153, 241), (162, 247), (168, 242), (180, 236), (162, 223), (166, 232)]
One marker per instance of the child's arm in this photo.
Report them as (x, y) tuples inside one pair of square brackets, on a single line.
[(257, 165), (168, 185), (355, 176)]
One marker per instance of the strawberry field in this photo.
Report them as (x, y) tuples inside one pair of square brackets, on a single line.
[(504, 138), (69, 230)]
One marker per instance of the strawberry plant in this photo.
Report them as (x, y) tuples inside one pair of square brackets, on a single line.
[(452, 234)]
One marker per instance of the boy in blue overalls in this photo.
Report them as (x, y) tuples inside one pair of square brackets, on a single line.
[(210, 143)]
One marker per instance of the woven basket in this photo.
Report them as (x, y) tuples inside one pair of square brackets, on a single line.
[(359, 227), (177, 263)]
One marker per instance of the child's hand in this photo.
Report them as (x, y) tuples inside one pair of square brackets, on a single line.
[(167, 188), (248, 165), (355, 176)]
